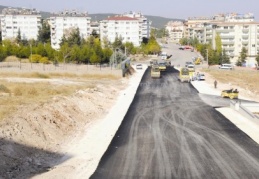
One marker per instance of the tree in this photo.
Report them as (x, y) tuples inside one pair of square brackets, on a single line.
[(41, 50), (242, 57), (224, 57), (95, 58), (71, 37), (19, 37), (0, 36), (218, 43), (3, 53), (257, 59), (117, 43), (44, 33), (74, 37), (64, 52)]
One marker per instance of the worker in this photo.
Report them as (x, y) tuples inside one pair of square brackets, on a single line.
[(235, 91), (215, 84)]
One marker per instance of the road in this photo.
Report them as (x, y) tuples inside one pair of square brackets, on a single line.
[(169, 132)]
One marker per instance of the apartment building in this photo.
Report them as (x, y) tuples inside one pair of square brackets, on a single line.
[(28, 21), (176, 30), (95, 27), (235, 36), (236, 31), (145, 24), (124, 27), (65, 22)]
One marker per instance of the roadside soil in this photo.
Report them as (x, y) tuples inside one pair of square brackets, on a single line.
[(36, 136), (245, 80)]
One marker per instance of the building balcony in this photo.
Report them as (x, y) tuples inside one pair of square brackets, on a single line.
[(244, 42), (229, 48), (227, 42), (245, 30), (245, 36), (225, 30), (227, 36)]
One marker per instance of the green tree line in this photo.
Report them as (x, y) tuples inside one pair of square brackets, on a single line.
[(73, 48)]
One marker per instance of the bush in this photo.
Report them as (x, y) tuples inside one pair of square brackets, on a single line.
[(44, 60), (4, 89), (32, 92), (35, 58), (17, 92)]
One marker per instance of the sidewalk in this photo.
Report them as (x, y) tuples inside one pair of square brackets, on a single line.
[(246, 125)]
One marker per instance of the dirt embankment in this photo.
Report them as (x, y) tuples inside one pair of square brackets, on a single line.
[(32, 138)]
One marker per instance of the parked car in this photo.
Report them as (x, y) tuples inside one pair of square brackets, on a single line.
[(181, 48), (200, 76), (139, 66), (188, 63), (226, 66)]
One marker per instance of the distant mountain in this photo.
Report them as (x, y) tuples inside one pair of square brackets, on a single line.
[(157, 21)]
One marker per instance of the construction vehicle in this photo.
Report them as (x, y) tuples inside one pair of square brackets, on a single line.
[(191, 69), (162, 66), (197, 61), (155, 72), (184, 75), (232, 94)]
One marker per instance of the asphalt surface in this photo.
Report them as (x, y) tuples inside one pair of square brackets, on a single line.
[(170, 132)]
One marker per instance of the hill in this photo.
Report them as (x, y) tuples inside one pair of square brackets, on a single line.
[(157, 21)]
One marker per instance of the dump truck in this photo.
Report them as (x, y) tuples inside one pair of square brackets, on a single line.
[(184, 75), (155, 72)]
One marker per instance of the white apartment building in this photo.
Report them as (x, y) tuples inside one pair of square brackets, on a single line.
[(63, 23), (127, 28), (26, 20), (235, 36), (236, 31), (176, 30), (95, 26), (145, 24)]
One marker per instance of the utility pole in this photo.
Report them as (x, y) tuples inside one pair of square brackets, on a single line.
[(31, 55)]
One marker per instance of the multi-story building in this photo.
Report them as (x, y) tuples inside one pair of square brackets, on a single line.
[(176, 30), (124, 27), (95, 27), (235, 36), (236, 31), (27, 21), (62, 24), (145, 24)]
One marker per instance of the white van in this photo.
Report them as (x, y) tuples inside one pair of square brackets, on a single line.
[(226, 66)]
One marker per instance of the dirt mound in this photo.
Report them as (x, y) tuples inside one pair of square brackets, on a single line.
[(31, 138)]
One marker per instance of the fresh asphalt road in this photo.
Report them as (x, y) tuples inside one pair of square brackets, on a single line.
[(169, 132)]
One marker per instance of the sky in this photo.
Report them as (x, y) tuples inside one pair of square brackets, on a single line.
[(181, 9)]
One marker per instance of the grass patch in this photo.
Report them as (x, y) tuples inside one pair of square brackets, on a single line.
[(95, 76), (33, 93)]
